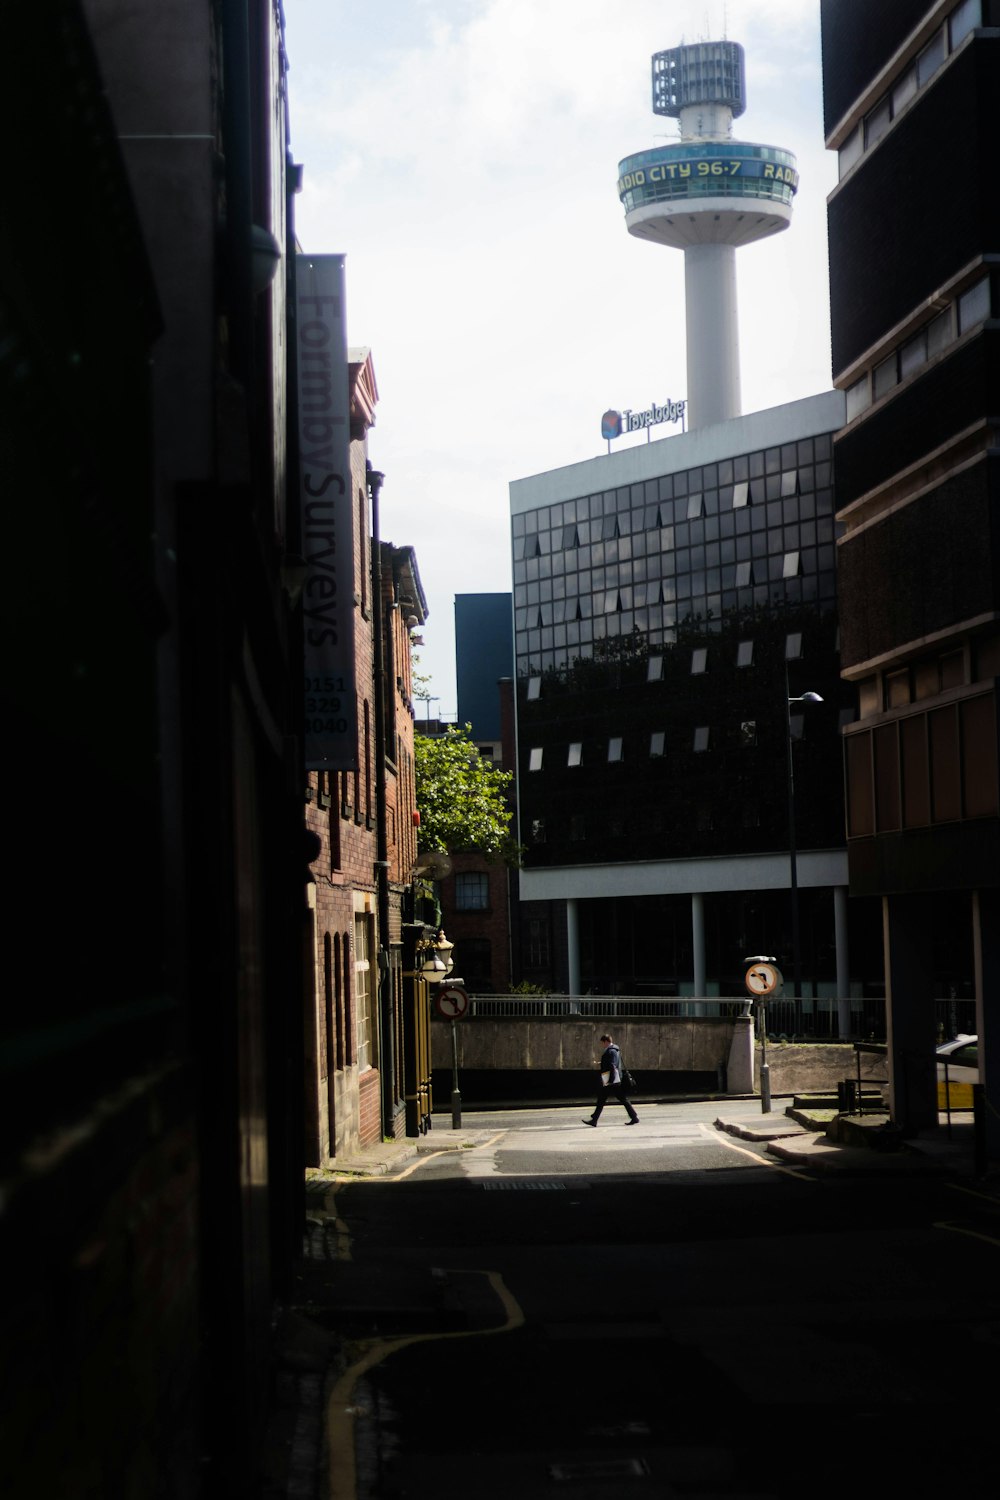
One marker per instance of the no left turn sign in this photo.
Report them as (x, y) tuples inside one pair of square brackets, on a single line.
[(451, 1001)]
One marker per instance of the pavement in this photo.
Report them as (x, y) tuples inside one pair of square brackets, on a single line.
[(340, 1306), (795, 1135)]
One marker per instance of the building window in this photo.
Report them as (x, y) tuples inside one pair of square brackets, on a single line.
[(534, 688), (744, 654), (793, 645), (789, 483), (939, 333), (695, 508), (657, 742), (703, 819), (366, 1049), (612, 602), (963, 19), (575, 753), (472, 891), (362, 551), (699, 660), (477, 964), (904, 89), (748, 733), (535, 759), (790, 566), (577, 828), (744, 575), (877, 122), (609, 529), (913, 354), (536, 943), (741, 494), (851, 151), (654, 668), (858, 398), (751, 815), (538, 831), (930, 59), (570, 537), (701, 738), (885, 375), (615, 748), (974, 305)]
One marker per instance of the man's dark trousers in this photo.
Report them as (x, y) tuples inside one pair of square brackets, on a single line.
[(620, 1093)]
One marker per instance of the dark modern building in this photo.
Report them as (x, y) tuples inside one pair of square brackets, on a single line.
[(483, 657), (663, 597), (910, 93)]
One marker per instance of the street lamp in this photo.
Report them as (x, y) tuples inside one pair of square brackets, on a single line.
[(792, 858)]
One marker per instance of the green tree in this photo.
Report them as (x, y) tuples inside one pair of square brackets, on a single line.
[(461, 797)]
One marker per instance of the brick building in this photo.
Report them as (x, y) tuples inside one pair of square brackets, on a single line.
[(152, 1154), (363, 819)]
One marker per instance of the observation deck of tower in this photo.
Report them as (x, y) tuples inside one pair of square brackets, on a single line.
[(706, 195)]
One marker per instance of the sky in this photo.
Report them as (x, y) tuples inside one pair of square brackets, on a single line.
[(463, 155)]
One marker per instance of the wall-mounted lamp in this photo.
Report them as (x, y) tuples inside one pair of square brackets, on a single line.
[(434, 958)]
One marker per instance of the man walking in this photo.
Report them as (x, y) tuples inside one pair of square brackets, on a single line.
[(612, 1082)]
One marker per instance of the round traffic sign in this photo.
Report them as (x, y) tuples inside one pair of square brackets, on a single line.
[(763, 978), (451, 1001)]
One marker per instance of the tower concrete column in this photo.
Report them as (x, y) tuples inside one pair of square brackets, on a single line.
[(713, 352), (573, 947)]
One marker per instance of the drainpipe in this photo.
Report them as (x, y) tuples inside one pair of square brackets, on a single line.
[(387, 1060)]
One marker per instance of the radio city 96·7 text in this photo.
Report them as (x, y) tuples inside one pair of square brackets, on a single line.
[(671, 171)]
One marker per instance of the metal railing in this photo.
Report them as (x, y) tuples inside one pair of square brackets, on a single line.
[(531, 1007), (819, 1018)]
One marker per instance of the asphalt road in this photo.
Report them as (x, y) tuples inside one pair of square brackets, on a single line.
[(659, 1310)]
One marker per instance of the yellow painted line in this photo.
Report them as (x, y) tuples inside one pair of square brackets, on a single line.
[(972, 1234), (958, 1187), (341, 1411), (726, 1140)]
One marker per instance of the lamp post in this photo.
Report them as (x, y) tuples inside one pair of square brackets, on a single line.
[(792, 856)]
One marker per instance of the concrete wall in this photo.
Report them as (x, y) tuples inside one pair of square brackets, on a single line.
[(685, 1044), (692, 1044), (815, 1068)]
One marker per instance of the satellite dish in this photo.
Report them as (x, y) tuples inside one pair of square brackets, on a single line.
[(434, 863)]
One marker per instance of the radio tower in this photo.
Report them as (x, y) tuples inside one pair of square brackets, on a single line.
[(706, 195)]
